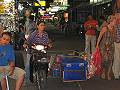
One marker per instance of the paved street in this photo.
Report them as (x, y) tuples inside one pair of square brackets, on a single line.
[(62, 45), (66, 22)]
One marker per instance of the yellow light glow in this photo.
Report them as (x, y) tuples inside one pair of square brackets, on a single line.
[(1, 0), (42, 3), (1, 9), (47, 9)]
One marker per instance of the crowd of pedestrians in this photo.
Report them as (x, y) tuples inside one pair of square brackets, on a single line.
[(31, 33), (108, 42)]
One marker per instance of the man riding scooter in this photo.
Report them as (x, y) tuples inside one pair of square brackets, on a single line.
[(39, 36)]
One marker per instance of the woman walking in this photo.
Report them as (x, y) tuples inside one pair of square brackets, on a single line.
[(106, 44)]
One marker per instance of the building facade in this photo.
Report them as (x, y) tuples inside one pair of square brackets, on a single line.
[(81, 8)]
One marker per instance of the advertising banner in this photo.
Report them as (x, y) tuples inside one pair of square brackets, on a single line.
[(41, 3), (1, 0), (1, 9)]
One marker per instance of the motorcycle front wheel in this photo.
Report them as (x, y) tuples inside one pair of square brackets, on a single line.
[(41, 79)]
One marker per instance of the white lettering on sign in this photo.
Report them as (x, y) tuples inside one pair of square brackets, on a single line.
[(81, 64), (68, 65)]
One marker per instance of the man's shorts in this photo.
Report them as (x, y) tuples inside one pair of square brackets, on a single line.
[(4, 71)]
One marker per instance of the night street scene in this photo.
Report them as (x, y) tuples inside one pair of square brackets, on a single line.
[(59, 44)]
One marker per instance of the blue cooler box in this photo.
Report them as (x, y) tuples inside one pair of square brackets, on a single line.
[(74, 69)]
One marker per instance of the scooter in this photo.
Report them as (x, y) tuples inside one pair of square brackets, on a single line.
[(39, 66)]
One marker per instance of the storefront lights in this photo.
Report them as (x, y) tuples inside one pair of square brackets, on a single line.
[(8, 1), (96, 1)]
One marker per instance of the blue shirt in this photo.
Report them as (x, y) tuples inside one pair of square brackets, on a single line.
[(38, 38), (6, 54)]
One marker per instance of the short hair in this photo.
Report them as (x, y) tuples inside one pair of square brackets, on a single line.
[(89, 14), (27, 9), (40, 21), (7, 33)]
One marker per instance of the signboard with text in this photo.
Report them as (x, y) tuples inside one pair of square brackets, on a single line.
[(41, 3), (1, 0), (1, 9)]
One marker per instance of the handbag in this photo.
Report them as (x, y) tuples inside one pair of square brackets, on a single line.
[(94, 68), (97, 61)]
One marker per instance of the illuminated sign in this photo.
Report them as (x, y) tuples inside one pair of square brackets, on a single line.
[(63, 8), (1, 0), (41, 3), (1, 9), (95, 1)]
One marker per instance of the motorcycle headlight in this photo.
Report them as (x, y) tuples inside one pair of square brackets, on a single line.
[(39, 47)]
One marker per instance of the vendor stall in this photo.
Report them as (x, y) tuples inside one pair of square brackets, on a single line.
[(69, 67)]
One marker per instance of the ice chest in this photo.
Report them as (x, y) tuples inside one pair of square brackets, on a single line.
[(74, 69)]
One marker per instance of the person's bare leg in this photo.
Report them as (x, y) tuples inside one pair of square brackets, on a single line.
[(109, 72), (19, 82), (4, 84), (103, 74), (118, 3)]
